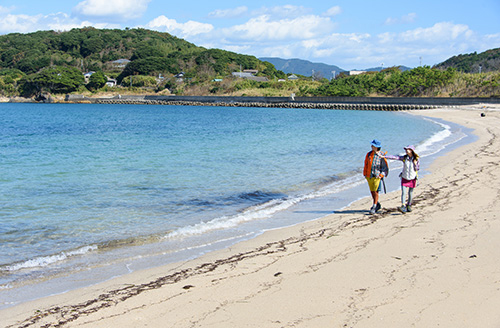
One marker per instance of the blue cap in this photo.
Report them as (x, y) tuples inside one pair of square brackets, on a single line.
[(376, 143)]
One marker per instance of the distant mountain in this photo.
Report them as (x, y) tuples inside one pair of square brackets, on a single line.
[(378, 69), (473, 63), (306, 68), (303, 67)]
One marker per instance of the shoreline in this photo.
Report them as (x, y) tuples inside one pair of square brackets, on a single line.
[(335, 195), (292, 102), (318, 268)]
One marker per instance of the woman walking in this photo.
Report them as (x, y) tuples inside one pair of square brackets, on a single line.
[(409, 176)]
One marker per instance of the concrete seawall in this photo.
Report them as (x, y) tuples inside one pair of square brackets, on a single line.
[(347, 103)]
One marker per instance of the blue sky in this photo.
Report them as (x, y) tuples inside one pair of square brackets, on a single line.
[(351, 34)]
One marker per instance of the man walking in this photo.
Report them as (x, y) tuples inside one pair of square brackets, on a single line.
[(375, 170)]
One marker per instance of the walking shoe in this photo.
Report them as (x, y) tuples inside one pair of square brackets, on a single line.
[(402, 209), (378, 207), (408, 208), (372, 210)]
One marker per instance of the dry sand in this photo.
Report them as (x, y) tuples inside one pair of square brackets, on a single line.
[(438, 266)]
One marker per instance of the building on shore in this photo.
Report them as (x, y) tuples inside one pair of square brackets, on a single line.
[(350, 73), (250, 75)]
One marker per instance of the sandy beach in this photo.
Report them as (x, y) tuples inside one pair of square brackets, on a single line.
[(438, 266)]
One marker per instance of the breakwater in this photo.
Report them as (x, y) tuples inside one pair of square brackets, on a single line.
[(346, 103)]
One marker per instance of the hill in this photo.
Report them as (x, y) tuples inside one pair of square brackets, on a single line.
[(119, 54), (303, 67), (86, 49), (487, 61)]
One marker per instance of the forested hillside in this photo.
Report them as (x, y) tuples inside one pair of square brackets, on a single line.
[(151, 53), (488, 61)]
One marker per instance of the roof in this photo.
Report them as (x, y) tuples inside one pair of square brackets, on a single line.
[(121, 61), (242, 74), (258, 78)]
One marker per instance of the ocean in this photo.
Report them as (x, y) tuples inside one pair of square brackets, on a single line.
[(89, 192)]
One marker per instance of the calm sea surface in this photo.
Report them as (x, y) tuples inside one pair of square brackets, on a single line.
[(92, 191)]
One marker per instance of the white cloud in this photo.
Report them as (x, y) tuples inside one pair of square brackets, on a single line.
[(228, 13), (63, 22), (5, 10), (334, 11), (112, 9), (406, 19), (434, 44), (57, 22), (262, 28), (184, 30), (238, 49), (282, 12), (348, 44), (363, 50), (18, 23), (439, 32)]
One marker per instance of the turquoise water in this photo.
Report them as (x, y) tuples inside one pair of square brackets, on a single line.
[(115, 188)]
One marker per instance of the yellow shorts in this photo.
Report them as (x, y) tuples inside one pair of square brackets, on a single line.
[(374, 184)]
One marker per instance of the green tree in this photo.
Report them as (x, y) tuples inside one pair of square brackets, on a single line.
[(91, 46), (33, 63), (97, 81), (150, 66), (272, 72), (56, 79)]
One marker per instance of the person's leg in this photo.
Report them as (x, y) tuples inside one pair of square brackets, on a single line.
[(402, 209), (374, 197), (374, 208), (378, 206), (410, 196), (374, 184), (403, 194)]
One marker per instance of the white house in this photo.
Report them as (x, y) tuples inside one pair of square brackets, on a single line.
[(111, 82), (355, 72)]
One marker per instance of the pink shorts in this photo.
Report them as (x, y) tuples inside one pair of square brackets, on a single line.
[(408, 183)]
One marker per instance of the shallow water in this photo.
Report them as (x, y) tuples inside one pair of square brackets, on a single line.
[(115, 188)]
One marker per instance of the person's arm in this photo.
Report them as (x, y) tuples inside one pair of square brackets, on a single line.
[(366, 170), (385, 168), (394, 157), (416, 164)]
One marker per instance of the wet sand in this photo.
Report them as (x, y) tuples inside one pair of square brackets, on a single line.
[(438, 266)]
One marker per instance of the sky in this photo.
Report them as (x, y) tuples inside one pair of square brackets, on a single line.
[(351, 34)]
